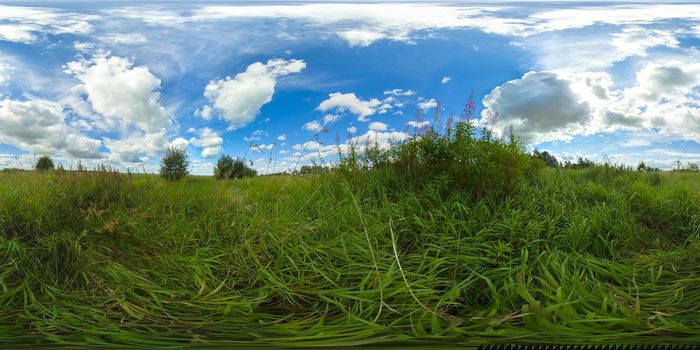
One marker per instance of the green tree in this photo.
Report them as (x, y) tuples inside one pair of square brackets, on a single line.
[(641, 166), (548, 159), (230, 168), (174, 163), (44, 163)]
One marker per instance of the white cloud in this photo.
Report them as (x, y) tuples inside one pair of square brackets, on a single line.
[(372, 138), (282, 137), (349, 102), (636, 40), (352, 130), (445, 80), (41, 127), (136, 147), (313, 126), (19, 33), (329, 119), (239, 99), (360, 37), (545, 106), (378, 126), (5, 71), (425, 105), (121, 92), (180, 143), (669, 79), (418, 123), (539, 106), (210, 141), (25, 24), (399, 92), (124, 39)]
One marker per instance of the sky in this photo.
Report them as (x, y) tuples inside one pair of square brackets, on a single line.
[(290, 83)]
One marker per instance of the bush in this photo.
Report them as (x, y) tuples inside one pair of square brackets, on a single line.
[(173, 164), (465, 159), (548, 159), (44, 163), (230, 168)]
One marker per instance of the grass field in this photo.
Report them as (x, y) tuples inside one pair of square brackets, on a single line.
[(346, 258)]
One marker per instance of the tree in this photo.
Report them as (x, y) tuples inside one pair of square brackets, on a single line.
[(548, 159), (230, 168), (44, 163), (174, 163), (641, 166)]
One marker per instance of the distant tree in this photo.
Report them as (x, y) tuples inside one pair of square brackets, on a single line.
[(692, 166), (174, 163), (230, 168), (44, 163), (548, 159), (641, 166), (312, 169)]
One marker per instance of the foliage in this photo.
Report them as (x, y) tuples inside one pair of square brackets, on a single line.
[(230, 168), (174, 163), (582, 163), (44, 163), (548, 159), (312, 169), (602, 254), (462, 159)]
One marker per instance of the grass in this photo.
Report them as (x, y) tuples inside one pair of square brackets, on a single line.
[(354, 256)]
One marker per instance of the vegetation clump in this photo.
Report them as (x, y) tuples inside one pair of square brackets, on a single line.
[(44, 163), (174, 164), (229, 168), (459, 237)]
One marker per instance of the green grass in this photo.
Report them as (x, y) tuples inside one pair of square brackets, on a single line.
[(593, 255)]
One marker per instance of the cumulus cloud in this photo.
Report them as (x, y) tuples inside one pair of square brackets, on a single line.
[(352, 130), (41, 127), (399, 92), (282, 137), (378, 126), (329, 119), (313, 126), (238, 100), (636, 40), (210, 141), (136, 147), (180, 143), (669, 80), (544, 106), (124, 93), (445, 80), (418, 123), (350, 102), (539, 106), (427, 104)]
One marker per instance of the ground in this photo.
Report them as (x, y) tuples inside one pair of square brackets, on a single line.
[(593, 255)]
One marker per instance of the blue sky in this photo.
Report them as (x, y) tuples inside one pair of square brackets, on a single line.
[(118, 82)]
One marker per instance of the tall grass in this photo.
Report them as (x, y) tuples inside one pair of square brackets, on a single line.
[(484, 245)]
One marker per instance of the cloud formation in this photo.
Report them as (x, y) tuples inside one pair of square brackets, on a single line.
[(40, 126), (238, 100)]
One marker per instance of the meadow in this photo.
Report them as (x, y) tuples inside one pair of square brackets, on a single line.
[(455, 238)]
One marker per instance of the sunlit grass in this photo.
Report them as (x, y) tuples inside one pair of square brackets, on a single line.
[(593, 255)]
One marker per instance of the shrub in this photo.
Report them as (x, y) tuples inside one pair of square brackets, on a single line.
[(173, 164), (548, 159), (230, 168), (44, 163), (465, 160)]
